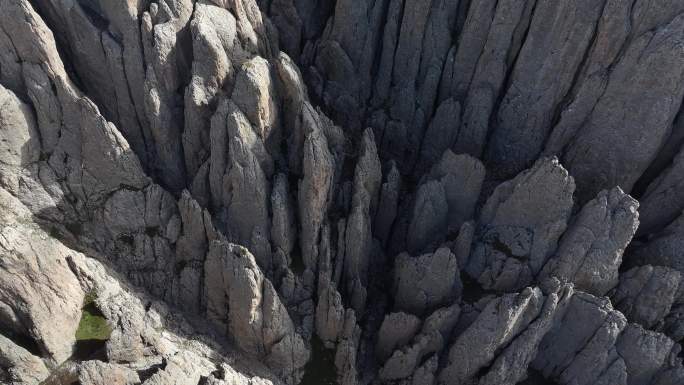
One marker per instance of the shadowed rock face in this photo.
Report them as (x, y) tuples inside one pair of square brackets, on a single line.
[(408, 192)]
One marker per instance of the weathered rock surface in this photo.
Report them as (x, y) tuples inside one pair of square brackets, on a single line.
[(539, 83), (148, 339), (38, 290), (520, 225), (663, 248), (242, 215), (426, 282), (646, 295), (516, 322), (397, 329), (358, 242), (433, 337), (241, 301), (580, 346), (590, 251), (18, 365)]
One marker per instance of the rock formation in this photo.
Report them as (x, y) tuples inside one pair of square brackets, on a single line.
[(424, 192)]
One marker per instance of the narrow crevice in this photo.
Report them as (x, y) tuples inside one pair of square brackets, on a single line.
[(581, 69), (535, 377), (506, 84), (321, 368), (146, 373), (24, 341)]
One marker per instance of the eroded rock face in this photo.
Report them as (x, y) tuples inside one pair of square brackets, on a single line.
[(590, 252), (148, 340), (243, 302), (502, 320), (410, 192), (38, 290), (18, 365), (646, 294), (426, 282), (520, 225)]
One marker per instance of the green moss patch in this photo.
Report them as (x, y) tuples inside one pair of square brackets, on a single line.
[(93, 325)]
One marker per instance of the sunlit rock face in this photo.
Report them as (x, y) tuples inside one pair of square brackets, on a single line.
[(405, 192)]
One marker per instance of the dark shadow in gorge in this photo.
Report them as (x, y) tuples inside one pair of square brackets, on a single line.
[(535, 378), (321, 368)]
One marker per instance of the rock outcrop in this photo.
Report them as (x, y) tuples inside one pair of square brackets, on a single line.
[(245, 304), (590, 252), (520, 225), (413, 192)]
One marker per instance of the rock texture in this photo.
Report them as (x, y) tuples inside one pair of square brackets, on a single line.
[(406, 192), (520, 225), (590, 251)]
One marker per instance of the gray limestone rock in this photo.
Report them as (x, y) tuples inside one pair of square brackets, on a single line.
[(283, 225), (463, 243), (397, 330), (37, 288), (145, 335), (358, 243), (221, 202), (18, 365), (100, 373), (329, 314), (440, 134), (558, 36), (243, 302), (662, 203), (314, 188), (108, 58), (165, 41), (388, 204), (500, 322), (462, 177), (430, 217), (426, 282), (645, 294), (214, 33), (520, 225), (434, 335), (330, 311), (510, 366), (346, 353), (20, 139), (470, 47), (494, 56), (580, 346), (663, 248), (239, 178), (254, 95), (590, 251), (644, 353), (647, 60)]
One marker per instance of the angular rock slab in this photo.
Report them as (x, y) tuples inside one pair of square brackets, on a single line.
[(243, 302), (520, 225), (646, 294), (426, 282), (500, 322), (590, 252)]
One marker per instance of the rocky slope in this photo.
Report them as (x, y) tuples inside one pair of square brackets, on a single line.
[(373, 191)]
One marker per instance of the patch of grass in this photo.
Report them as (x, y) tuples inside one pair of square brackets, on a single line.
[(93, 325)]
